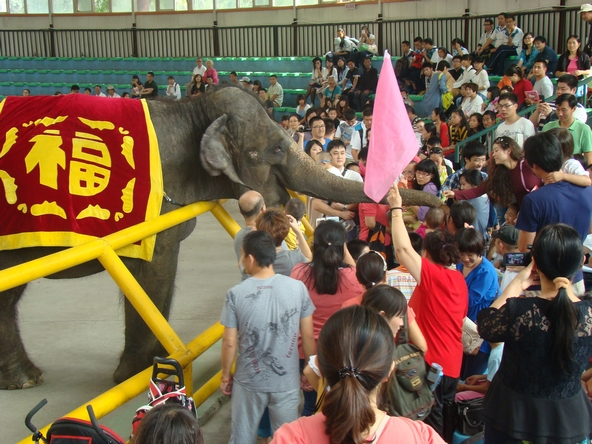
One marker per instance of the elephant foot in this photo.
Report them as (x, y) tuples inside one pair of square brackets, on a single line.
[(131, 364), (22, 380)]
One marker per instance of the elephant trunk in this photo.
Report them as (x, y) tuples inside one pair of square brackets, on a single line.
[(300, 173)]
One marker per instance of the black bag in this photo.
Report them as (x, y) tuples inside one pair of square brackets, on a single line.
[(407, 392), (376, 238), (469, 416)]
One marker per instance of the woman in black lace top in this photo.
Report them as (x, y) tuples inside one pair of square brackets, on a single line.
[(536, 395)]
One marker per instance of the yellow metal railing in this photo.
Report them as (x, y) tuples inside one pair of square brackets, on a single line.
[(104, 249)]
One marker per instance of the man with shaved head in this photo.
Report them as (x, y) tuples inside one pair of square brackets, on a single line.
[(250, 205)]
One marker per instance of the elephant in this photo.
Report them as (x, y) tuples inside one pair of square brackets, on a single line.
[(214, 146)]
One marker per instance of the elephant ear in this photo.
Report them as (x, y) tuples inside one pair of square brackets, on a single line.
[(215, 152)]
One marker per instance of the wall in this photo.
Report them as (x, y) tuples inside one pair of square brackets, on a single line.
[(329, 14)]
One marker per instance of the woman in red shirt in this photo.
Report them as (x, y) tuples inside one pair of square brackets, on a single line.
[(440, 301), (439, 117), (520, 84), (330, 279)]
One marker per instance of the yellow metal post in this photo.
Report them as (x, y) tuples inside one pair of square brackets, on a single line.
[(226, 220)]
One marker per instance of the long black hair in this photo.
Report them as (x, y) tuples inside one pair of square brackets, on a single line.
[(558, 252), (430, 167), (327, 257)]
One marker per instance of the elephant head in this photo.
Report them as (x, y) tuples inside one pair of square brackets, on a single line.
[(244, 144)]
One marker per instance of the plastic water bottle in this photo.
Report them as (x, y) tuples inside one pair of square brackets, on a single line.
[(435, 375)]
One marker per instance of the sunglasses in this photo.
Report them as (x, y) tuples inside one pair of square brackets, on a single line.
[(502, 141), (436, 151)]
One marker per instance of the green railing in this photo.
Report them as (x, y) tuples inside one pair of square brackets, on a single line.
[(492, 128)]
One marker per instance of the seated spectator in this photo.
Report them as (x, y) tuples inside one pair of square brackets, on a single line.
[(427, 131), (493, 93), (199, 67), (295, 208), (456, 69), (329, 128), (111, 92), (458, 47), (197, 86), (458, 128), (317, 131), (572, 170), (462, 215), (481, 279), (87, 91), (275, 91), (512, 46), (98, 92), (350, 81), (136, 87), (476, 125), (332, 113), (366, 85), (233, 79), (528, 54), (582, 135), (342, 70), (440, 302), (484, 46), (553, 351), (438, 117), (481, 78), (150, 88), (264, 99), (171, 423), (256, 85), (545, 112), (173, 90), (489, 119), (27, 93), (574, 61), (313, 149), (542, 85), (520, 84), (278, 226), (467, 75), (430, 51), (331, 93), (496, 39), (75, 89), (436, 155), (315, 81), (472, 102), (211, 72), (301, 106), (516, 127), (293, 127), (547, 54), (347, 132), (126, 95), (343, 45), (505, 240), (362, 339), (246, 84), (443, 54)]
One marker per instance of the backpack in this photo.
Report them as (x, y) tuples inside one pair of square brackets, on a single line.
[(407, 392), (400, 65)]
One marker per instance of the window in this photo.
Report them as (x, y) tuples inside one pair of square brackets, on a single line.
[(282, 2), (63, 6), (37, 7), (201, 5), (17, 7), (121, 5), (226, 4)]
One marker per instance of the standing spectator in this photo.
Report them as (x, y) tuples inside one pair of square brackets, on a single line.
[(440, 302), (574, 61), (366, 85), (481, 278), (546, 53), (542, 83), (98, 91), (586, 14), (528, 55), (266, 372), (199, 68), (111, 92), (555, 202), (436, 81), (512, 47), (211, 72), (275, 91), (173, 89), (536, 395), (330, 279), (150, 89), (581, 133), (355, 356), (513, 126)]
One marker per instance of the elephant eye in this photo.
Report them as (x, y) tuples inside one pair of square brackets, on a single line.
[(278, 149)]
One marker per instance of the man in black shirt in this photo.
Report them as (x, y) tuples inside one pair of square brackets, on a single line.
[(456, 69), (366, 85), (150, 88)]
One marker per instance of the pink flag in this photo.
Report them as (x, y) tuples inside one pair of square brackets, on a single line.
[(392, 140)]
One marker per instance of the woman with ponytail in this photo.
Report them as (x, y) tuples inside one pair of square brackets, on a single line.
[(331, 280), (355, 356), (536, 395)]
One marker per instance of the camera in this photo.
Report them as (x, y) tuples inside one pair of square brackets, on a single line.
[(303, 129), (517, 259)]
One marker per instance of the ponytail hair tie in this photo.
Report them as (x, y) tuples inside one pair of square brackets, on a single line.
[(349, 371), (561, 282), (329, 244)]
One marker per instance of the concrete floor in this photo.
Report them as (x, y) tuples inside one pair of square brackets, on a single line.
[(73, 331)]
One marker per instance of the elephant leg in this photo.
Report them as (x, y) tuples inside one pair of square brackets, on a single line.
[(16, 369), (157, 278)]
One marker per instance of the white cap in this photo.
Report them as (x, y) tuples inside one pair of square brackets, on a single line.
[(586, 7)]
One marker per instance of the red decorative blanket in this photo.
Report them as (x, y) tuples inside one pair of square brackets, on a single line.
[(74, 168)]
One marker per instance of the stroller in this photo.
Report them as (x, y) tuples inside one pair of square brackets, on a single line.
[(73, 430), (165, 390)]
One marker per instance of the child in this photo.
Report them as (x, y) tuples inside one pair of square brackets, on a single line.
[(357, 247), (434, 220), (457, 125), (476, 386), (407, 180), (511, 215), (427, 179), (332, 112), (505, 240), (406, 99), (572, 170), (471, 179), (295, 208)]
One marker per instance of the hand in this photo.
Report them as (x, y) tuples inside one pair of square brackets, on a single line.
[(300, 135), (528, 277), (554, 177), (347, 215), (448, 194), (304, 384), (293, 223), (403, 180), (473, 380), (460, 387), (578, 72), (226, 387), (394, 198)]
